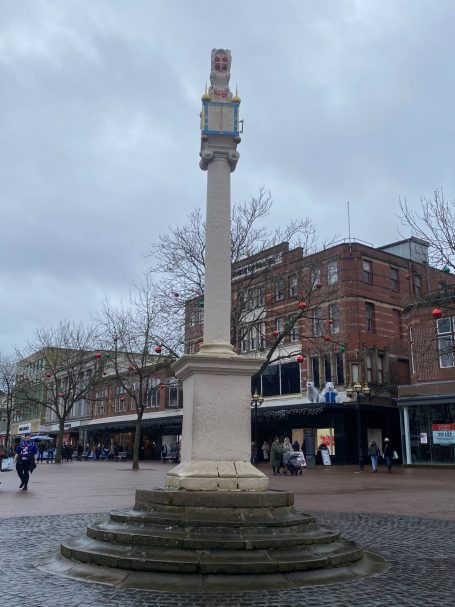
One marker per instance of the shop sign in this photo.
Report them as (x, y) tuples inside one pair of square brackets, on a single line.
[(443, 434), (23, 428)]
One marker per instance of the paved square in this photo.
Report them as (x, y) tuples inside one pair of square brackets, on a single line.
[(408, 517)]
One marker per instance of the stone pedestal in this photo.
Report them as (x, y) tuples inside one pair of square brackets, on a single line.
[(216, 438)]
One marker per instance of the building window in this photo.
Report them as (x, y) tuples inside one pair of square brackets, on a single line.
[(327, 369), (255, 298), (279, 325), (175, 397), (417, 281), (367, 272), (340, 368), (317, 321), (369, 367), (153, 397), (278, 379), (394, 279), (334, 318), (315, 278), (355, 374), (332, 272), (445, 328), (380, 363), (397, 323), (100, 401), (279, 289), (196, 316), (294, 333), (293, 285), (315, 373), (369, 317)]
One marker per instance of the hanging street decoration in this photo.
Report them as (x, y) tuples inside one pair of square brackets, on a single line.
[(437, 313)]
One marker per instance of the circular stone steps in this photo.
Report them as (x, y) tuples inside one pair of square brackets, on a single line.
[(212, 540)]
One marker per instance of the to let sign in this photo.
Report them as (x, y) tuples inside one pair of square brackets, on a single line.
[(443, 434)]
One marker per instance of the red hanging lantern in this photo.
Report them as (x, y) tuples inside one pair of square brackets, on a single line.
[(437, 313), (158, 349), (122, 398), (302, 305), (275, 333), (407, 276), (326, 338), (48, 375), (98, 355), (61, 394), (330, 321), (300, 359), (318, 285)]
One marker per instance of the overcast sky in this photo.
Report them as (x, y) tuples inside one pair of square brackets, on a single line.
[(99, 129)]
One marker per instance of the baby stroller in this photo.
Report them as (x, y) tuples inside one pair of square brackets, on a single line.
[(295, 463)]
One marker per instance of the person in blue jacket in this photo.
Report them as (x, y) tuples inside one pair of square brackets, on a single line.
[(25, 460)]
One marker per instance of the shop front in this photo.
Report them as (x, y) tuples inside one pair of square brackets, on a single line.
[(428, 429)]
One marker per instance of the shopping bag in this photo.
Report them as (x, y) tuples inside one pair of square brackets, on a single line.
[(394, 455), (7, 464)]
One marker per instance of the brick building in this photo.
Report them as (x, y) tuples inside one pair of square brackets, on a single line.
[(334, 316), (427, 401)]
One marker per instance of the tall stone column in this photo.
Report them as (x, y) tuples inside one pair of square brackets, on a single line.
[(216, 435)]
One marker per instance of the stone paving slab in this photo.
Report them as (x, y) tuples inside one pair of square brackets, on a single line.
[(421, 554), (408, 517)]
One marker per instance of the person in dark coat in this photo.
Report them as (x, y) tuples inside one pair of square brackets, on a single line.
[(25, 460), (373, 452), (276, 455), (387, 454)]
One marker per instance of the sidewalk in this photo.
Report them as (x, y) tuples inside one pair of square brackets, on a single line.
[(78, 487), (408, 517)]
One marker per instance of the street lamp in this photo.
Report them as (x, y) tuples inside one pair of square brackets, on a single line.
[(359, 391), (256, 401)]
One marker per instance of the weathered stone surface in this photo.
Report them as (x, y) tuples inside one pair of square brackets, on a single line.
[(212, 534)]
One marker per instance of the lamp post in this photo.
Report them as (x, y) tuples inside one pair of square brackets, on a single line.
[(256, 401), (359, 391)]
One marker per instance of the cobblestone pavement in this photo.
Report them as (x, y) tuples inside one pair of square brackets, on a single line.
[(408, 517), (421, 554)]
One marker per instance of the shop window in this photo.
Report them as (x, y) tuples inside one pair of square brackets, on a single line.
[(367, 271), (445, 329), (278, 379)]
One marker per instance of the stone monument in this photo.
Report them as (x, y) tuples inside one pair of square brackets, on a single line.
[(216, 526), (216, 435)]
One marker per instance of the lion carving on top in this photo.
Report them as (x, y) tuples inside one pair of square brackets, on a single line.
[(220, 74)]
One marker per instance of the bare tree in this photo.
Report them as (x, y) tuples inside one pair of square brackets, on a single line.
[(178, 257), (8, 380), (58, 369), (435, 223), (144, 344)]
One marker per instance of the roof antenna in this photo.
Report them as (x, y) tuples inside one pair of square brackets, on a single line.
[(349, 228)]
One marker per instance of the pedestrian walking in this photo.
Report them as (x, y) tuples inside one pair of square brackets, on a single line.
[(265, 451), (25, 460), (387, 454), (373, 452)]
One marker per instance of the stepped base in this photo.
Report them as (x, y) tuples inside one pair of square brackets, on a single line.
[(187, 541)]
